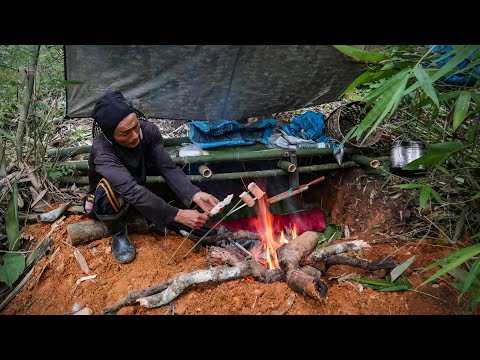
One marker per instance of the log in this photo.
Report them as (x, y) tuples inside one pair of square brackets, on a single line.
[(360, 263), (89, 230), (323, 253), (232, 236), (218, 274), (304, 281)]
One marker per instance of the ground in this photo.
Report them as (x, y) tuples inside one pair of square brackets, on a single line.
[(352, 199)]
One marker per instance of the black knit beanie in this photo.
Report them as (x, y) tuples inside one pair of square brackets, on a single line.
[(109, 110)]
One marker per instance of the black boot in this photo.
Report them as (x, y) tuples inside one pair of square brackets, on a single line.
[(123, 250)]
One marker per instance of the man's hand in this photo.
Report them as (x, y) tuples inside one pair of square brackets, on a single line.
[(205, 201), (191, 218)]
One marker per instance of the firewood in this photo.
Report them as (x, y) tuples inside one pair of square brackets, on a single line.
[(323, 253), (89, 230), (232, 236), (306, 282), (218, 274), (131, 298), (360, 263)]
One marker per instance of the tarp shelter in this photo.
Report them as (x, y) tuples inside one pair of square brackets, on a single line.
[(207, 82)]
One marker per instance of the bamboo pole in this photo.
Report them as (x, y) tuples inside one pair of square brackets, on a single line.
[(83, 180), (287, 166), (226, 156), (367, 161), (77, 150)]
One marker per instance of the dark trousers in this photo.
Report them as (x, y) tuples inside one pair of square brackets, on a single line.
[(104, 203)]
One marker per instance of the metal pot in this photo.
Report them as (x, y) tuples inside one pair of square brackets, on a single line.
[(404, 152)]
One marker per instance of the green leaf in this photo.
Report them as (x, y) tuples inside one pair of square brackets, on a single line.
[(12, 225), (472, 251), (461, 109), (476, 196), (7, 135), (368, 56), (386, 85), (409, 186), (398, 270), (386, 103), (394, 288), (359, 80), (435, 154), (449, 257), (426, 83), (424, 196), (461, 53), (472, 276), (12, 268), (442, 169), (437, 196)]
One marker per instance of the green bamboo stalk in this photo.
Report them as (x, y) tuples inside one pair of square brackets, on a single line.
[(83, 180)]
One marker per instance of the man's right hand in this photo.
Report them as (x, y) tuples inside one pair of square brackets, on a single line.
[(191, 218)]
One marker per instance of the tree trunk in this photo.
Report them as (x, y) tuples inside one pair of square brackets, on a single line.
[(27, 97)]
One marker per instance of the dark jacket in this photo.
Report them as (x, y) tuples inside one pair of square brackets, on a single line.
[(129, 181)]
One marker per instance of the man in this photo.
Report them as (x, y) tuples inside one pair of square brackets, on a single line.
[(117, 176)]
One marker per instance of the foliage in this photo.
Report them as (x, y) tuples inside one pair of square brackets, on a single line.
[(430, 94), (13, 266), (386, 285), (54, 171)]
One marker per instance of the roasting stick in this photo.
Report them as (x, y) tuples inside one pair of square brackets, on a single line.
[(212, 212), (245, 197)]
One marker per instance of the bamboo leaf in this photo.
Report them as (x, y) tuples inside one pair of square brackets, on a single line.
[(476, 196), (386, 85), (461, 54), (362, 79), (473, 251), (424, 196), (435, 154), (451, 256), (472, 276), (426, 83), (368, 56), (398, 270), (460, 224), (12, 225), (12, 268), (409, 186), (461, 109), (7, 135), (391, 107), (437, 196), (383, 106), (442, 169), (394, 288)]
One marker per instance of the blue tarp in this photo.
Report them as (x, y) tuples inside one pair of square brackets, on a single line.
[(457, 78), (209, 134)]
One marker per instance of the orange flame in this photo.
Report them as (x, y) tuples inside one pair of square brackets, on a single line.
[(265, 228)]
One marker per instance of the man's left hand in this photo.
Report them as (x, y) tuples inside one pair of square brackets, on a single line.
[(205, 201)]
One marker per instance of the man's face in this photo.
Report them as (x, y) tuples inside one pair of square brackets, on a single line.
[(127, 132)]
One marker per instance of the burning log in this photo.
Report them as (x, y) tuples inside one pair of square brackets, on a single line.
[(305, 281), (300, 276), (322, 254)]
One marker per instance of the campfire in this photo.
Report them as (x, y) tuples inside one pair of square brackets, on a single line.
[(278, 255)]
